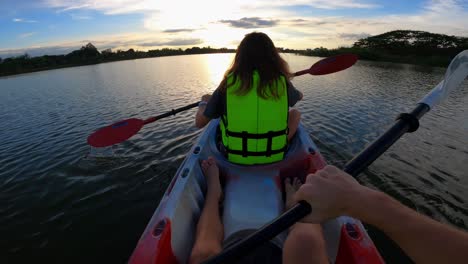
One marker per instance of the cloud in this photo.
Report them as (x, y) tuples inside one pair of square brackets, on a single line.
[(178, 30), (341, 4), (353, 36), (250, 22), (80, 17), (22, 20), (26, 35), (110, 7), (331, 4), (132, 6), (218, 23), (174, 42), (318, 4), (158, 15), (37, 51), (183, 13)]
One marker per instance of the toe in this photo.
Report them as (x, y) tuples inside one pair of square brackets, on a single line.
[(205, 165), (297, 183), (211, 160)]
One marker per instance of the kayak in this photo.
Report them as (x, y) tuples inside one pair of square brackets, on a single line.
[(253, 196)]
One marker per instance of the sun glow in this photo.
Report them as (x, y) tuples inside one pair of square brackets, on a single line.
[(216, 65), (219, 36), (191, 14)]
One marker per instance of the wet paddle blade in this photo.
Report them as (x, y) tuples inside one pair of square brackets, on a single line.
[(454, 76), (333, 64), (115, 133)]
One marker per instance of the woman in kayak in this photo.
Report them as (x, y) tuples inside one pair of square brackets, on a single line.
[(253, 101)]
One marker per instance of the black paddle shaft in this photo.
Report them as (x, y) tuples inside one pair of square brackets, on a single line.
[(172, 112), (404, 123), (407, 122)]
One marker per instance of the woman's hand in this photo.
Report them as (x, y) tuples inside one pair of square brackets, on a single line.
[(331, 192), (200, 119)]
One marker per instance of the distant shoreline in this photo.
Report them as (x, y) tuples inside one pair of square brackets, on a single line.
[(398, 46), (441, 61), (370, 55), (88, 64), (88, 55)]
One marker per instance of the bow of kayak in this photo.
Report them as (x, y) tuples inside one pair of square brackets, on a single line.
[(253, 196)]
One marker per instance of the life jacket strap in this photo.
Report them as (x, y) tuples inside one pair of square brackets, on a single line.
[(256, 154), (245, 136)]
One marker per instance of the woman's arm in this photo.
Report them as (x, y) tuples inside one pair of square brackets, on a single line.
[(332, 192), (294, 95), (200, 119)]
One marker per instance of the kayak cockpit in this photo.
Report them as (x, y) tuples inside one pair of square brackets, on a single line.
[(253, 196)]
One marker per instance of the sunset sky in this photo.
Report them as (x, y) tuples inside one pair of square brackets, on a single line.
[(59, 26)]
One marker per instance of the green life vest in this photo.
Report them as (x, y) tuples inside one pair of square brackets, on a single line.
[(255, 130)]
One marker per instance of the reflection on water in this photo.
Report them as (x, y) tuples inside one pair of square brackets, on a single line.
[(100, 153), (60, 204)]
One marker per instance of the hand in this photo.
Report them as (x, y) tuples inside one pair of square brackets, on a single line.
[(206, 97), (331, 192)]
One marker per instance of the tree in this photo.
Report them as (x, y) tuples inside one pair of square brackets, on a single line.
[(413, 42), (106, 51)]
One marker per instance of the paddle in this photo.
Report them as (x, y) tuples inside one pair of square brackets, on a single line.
[(330, 65), (123, 130), (407, 122)]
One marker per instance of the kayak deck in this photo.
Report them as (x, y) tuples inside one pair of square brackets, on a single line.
[(253, 196)]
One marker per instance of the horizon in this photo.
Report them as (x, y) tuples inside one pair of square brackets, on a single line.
[(53, 27)]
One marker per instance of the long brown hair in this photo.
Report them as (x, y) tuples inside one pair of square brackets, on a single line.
[(257, 52)]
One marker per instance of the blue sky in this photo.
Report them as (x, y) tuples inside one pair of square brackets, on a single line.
[(59, 26)]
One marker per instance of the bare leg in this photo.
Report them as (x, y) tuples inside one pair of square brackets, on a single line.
[(293, 122), (305, 243), (210, 233)]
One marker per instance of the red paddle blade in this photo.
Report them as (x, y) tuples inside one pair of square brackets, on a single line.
[(115, 133), (333, 64)]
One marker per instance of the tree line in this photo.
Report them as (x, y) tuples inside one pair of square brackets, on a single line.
[(405, 46), (89, 54)]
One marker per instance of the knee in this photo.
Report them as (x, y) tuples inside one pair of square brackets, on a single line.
[(305, 244), (308, 236), (295, 114), (199, 254)]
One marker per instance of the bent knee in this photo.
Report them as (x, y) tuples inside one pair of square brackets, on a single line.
[(294, 112), (310, 234), (199, 254)]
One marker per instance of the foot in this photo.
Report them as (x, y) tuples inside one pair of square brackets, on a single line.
[(211, 172), (290, 189)]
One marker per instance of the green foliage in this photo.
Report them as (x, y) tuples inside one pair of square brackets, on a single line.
[(89, 54), (404, 46), (417, 41)]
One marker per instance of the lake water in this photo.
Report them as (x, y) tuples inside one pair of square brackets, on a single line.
[(58, 205)]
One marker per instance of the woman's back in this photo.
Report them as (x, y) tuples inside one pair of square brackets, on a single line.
[(252, 101)]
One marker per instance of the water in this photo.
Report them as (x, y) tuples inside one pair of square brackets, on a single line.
[(59, 205)]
